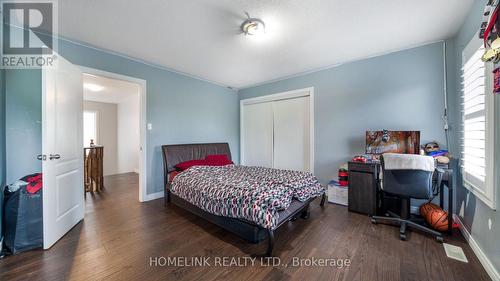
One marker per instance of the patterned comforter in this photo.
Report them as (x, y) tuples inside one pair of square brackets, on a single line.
[(252, 193)]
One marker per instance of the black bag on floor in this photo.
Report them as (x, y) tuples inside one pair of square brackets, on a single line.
[(22, 221)]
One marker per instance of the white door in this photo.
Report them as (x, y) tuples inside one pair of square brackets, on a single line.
[(62, 144), (257, 135), (292, 134)]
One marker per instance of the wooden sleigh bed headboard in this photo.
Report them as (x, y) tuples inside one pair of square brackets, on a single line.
[(174, 154)]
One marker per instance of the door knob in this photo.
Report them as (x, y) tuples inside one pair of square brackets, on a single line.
[(54, 156)]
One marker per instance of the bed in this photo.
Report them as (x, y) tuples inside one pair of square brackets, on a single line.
[(243, 227)]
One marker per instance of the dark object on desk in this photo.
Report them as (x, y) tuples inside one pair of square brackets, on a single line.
[(408, 176), (440, 155), (379, 142)]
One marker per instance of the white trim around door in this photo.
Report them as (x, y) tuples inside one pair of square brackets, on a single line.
[(304, 92), (143, 196)]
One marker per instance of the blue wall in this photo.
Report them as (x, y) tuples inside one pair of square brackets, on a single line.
[(20, 126), (181, 109), (398, 91), (475, 215), (23, 123), (2, 145)]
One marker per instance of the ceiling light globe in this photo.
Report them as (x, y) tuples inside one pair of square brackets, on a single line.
[(253, 27)]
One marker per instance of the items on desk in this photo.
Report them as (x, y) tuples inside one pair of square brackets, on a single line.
[(440, 155), (385, 141), (360, 158)]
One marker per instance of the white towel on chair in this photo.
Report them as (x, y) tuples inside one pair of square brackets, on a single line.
[(394, 161)]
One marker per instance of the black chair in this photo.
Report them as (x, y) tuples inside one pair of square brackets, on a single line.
[(408, 176)]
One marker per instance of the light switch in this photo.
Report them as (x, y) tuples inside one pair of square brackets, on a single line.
[(150, 126)]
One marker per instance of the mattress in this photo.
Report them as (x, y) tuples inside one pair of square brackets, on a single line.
[(255, 194)]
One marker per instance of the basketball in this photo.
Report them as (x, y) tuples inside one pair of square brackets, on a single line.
[(426, 208), (438, 219)]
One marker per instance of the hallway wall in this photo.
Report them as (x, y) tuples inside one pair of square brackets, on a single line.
[(107, 125)]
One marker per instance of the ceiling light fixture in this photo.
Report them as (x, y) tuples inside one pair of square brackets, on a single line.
[(93, 87), (253, 26)]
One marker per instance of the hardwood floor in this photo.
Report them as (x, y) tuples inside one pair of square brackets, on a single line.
[(119, 236)]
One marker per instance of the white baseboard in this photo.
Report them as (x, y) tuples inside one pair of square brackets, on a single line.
[(154, 196), (488, 266), (136, 170)]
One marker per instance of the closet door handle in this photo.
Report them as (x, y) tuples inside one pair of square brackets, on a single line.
[(41, 157), (54, 156)]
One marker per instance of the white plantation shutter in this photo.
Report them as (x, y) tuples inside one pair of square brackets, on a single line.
[(478, 130), (474, 117)]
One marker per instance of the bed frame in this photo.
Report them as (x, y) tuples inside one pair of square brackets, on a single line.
[(174, 154)]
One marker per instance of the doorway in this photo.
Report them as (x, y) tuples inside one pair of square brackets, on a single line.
[(114, 121)]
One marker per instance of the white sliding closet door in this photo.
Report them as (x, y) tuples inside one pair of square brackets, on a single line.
[(257, 135), (291, 134)]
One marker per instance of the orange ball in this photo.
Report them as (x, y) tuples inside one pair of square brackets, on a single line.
[(426, 208), (438, 219)]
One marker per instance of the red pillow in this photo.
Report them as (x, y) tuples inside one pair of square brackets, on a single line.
[(218, 160), (188, 164)]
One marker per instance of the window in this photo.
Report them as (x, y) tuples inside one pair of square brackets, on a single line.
[(89, 127), (477, 113)]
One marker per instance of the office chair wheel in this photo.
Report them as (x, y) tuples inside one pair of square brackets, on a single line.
[(440, 239), (374, 221), (402, 236)]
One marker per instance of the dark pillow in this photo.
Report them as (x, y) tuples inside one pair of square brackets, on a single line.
[(188, 164), (218, 160)]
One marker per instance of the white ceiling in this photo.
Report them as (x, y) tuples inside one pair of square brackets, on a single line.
[(111, 90), (202, 38)]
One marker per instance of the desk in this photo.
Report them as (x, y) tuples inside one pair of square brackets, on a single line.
[(365, 197), (363, 192)]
